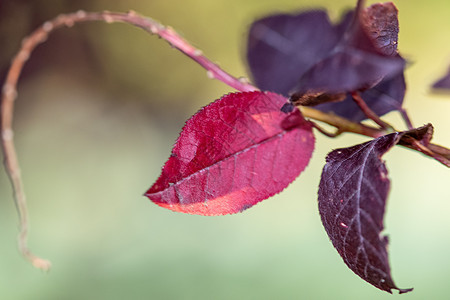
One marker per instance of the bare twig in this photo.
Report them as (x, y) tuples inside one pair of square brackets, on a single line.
[(325, 132), (432, 150), (406, 118), (445, 152), (9, 94), (342, 124)]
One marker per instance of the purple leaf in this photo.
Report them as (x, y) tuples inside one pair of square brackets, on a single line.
[(301, 54), (348, 69), (283, 47), (363, 56), (382, 98), (352, 198), (381, 23), (444, 82)]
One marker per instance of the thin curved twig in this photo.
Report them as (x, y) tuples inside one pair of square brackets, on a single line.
[(9, 94)]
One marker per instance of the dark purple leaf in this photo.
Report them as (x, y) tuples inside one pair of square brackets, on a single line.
[(283, 47), (384, 97), (348, 70), (232, 154), (362, 57), (381, 23), (444, 82), (306, 54), (352, 198)]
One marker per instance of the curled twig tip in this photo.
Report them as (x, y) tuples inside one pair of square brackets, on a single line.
[(42, 264)]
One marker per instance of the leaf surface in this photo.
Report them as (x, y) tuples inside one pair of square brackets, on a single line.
[(282, 47), (232, 154), (300, 54), (352, 198), (443, 82), (380, 21), (384, 97)]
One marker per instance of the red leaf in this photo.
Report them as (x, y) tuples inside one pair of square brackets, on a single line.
[(352, 198), (232, 154)]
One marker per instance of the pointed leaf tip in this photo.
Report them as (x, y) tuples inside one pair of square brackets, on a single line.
[(443, 83), (232, 154)]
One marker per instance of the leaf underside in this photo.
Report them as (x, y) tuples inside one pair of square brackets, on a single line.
[(352, 197), (232, 154), (297, 54)]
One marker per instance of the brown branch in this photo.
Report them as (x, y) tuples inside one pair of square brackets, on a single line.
[(9, 95), (342, 124), (444, 152), (437, 152)]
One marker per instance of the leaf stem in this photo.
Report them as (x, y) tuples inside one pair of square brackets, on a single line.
[(406, 118), (342, 124), (325, 132), (369, 112)]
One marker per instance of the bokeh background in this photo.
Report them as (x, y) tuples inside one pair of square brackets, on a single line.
[(101, 105)]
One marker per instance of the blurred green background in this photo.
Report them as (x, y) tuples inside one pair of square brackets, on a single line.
[(101, 105)]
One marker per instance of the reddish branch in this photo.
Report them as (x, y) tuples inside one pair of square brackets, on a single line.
[(9, 95), (368, 111), (342, 124)]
